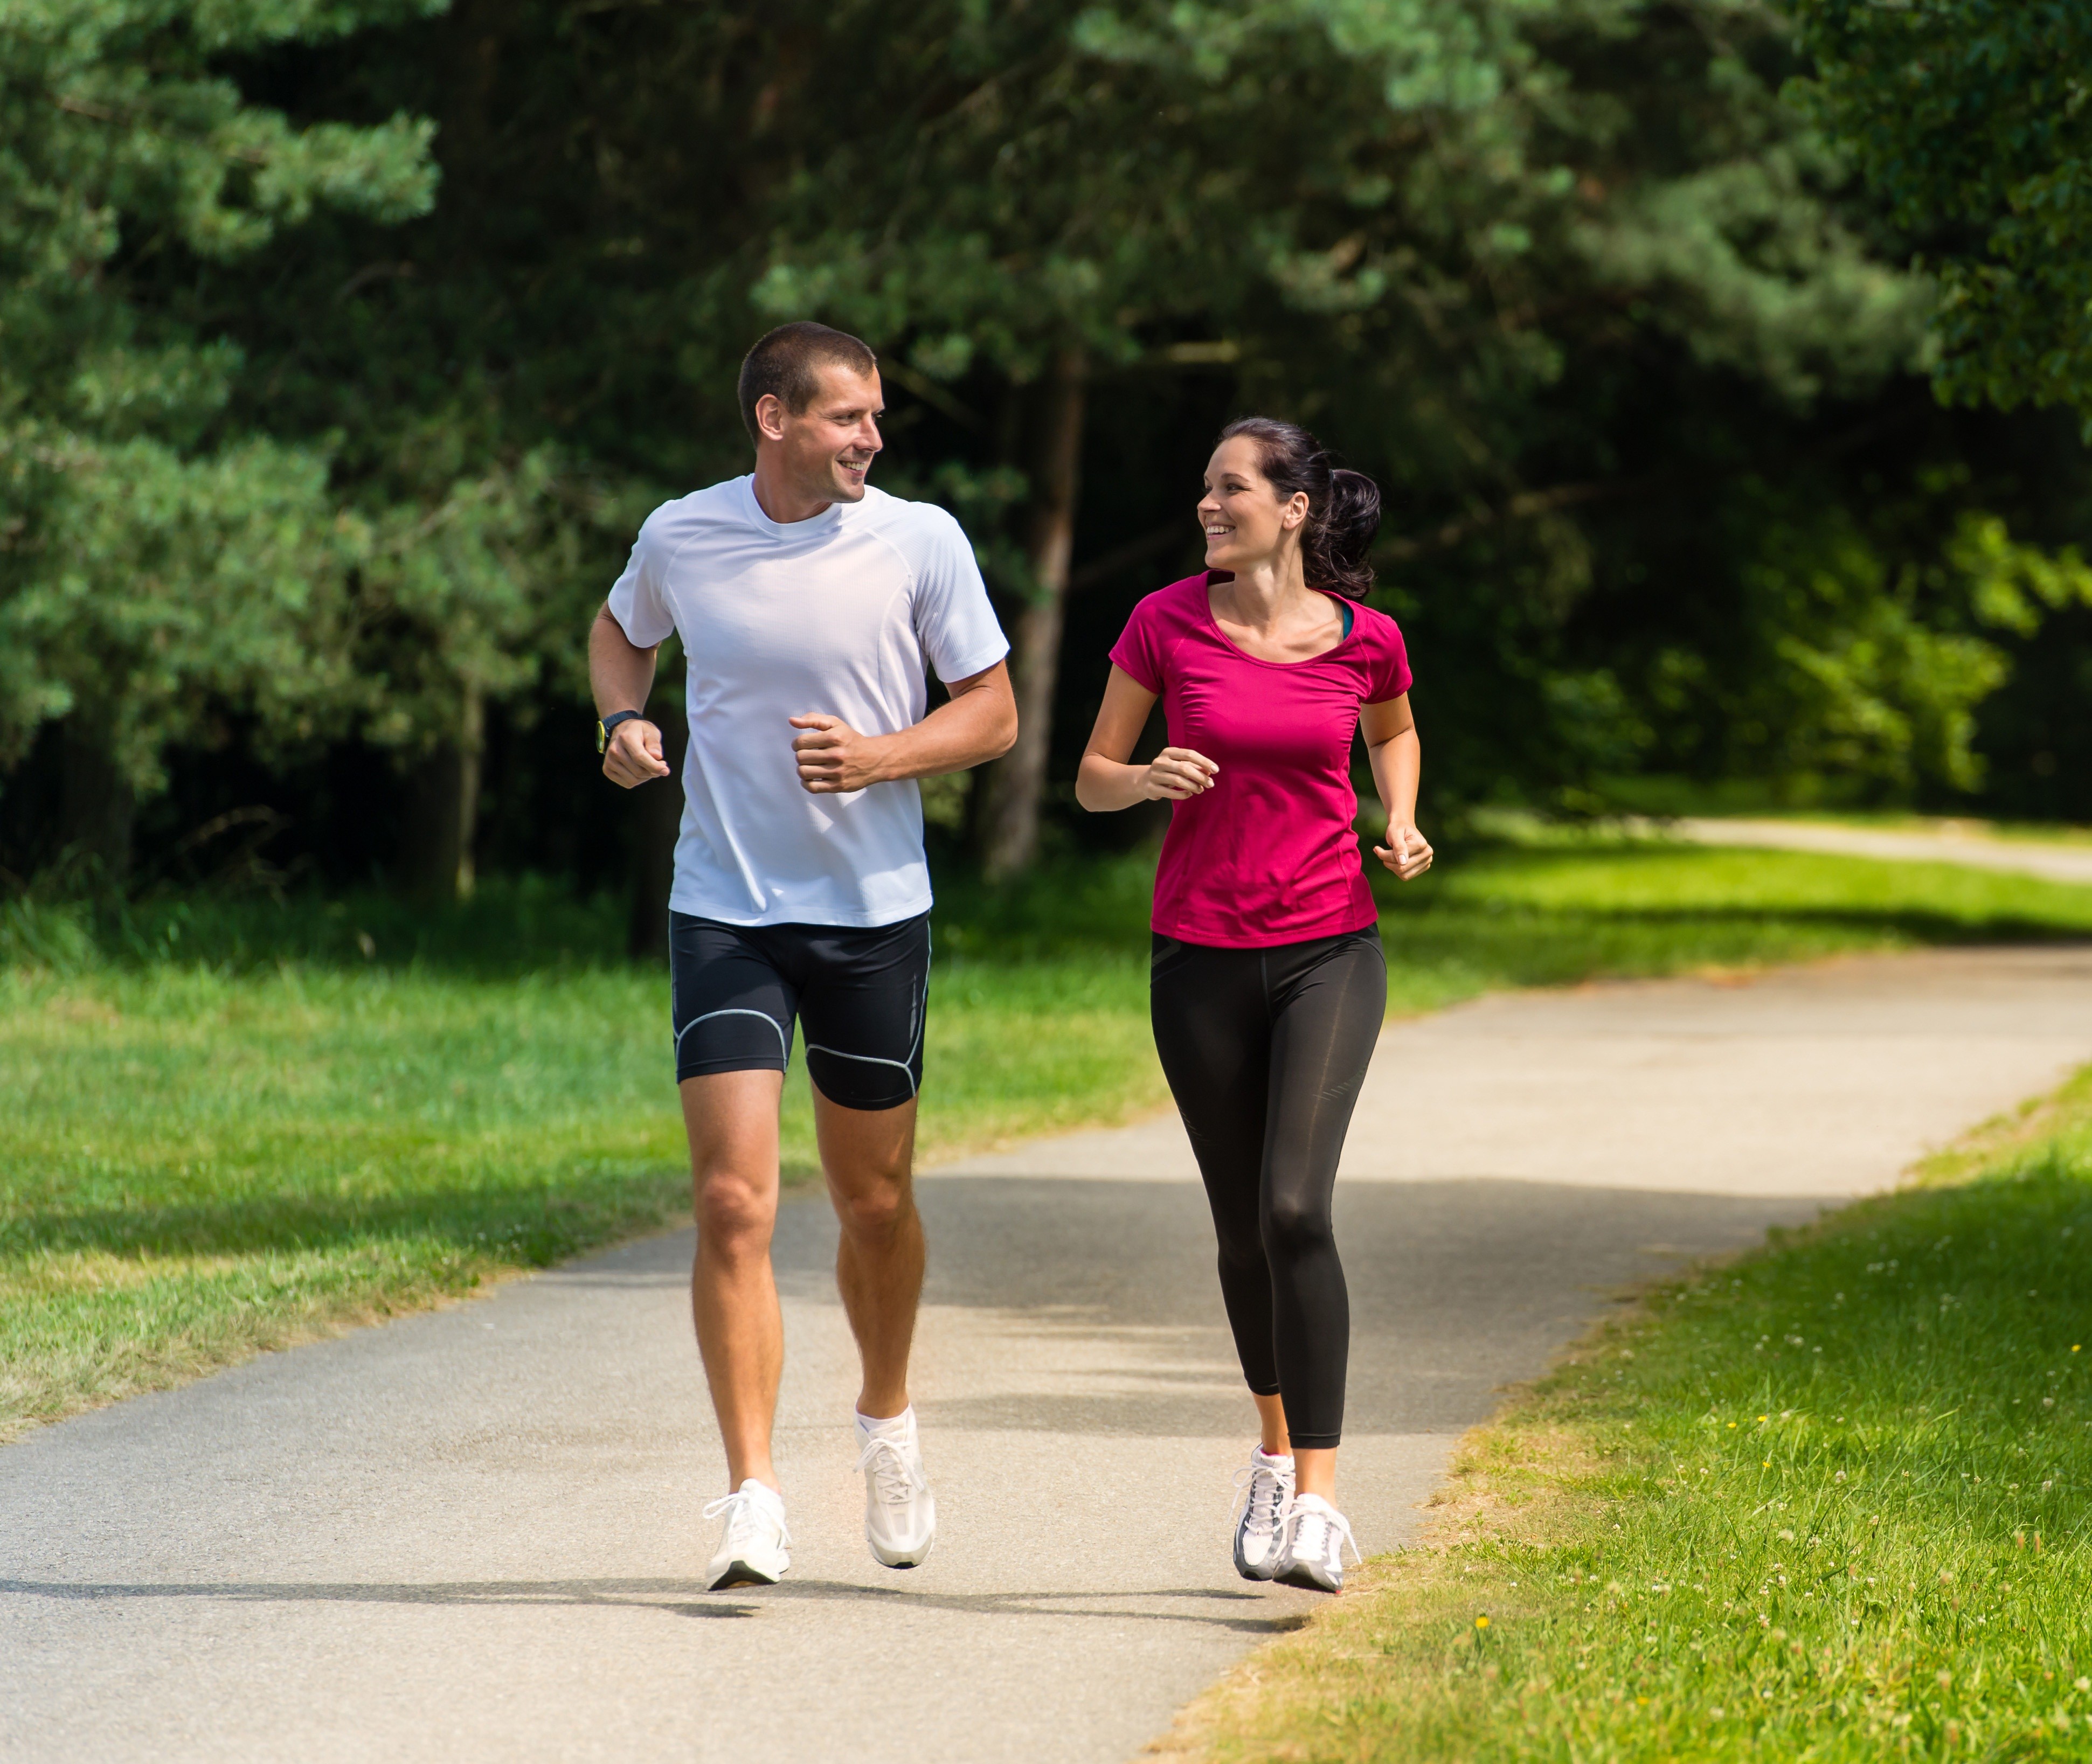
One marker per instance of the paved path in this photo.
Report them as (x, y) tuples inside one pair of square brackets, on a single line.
[(2024, 857), (474, 1533)]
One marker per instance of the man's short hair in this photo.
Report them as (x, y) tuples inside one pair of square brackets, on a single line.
[(787, 362)]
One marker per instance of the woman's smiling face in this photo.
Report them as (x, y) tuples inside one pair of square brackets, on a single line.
[(1243, 520)]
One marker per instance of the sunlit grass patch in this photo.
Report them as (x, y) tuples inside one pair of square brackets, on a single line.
[(1829, 1503), (1572, 907)]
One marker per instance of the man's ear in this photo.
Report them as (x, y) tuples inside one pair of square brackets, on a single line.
[(769, 414)]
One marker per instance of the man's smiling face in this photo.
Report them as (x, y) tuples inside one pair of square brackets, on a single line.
[(826, 450)]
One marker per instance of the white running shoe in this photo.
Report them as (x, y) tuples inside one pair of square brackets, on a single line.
[(1312, 1537), (757, 1549), (1266, 1485), (900, 1512)]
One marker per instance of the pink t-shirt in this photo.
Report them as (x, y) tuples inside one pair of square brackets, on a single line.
[(1268, 855)]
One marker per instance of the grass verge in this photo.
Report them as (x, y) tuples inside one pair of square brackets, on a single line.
[(1826, 1502), (202, 1159), (235, 1124)]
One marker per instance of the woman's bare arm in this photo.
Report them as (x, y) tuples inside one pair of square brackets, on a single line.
[(1398, 762), (1106, 782)]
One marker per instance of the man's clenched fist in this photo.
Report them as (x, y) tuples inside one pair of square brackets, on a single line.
[(634, 754), (833, 757)]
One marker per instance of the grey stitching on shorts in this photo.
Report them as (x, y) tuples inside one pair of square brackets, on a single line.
[(837, 1053), (917, 1013), (784, 1046)]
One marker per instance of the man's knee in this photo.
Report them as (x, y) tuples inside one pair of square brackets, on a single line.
[(874, 1212), (735, 1212)]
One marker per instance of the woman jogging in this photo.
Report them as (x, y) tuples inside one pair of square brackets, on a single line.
[(1268, 984)]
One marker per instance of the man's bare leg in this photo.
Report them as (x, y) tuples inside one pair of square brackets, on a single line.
[(868, 1155), (732, 1119)]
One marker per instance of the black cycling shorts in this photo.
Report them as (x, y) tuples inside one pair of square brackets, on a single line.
[(736, 990)]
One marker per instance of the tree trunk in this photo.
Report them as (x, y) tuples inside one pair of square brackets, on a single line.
[(97, 804), (442, 810), (1017, 783), (658, 812)]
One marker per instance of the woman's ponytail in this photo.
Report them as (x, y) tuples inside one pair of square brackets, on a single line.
[(1343, 507)]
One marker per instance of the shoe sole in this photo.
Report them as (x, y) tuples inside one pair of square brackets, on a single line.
[(914, 1560), (740, 1574), (1306, 1581), (1261, 1572)]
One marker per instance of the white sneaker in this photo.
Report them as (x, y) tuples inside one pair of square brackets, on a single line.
[(900, 1512), (757, 1549), (1266, 1485), (1312, 1537)]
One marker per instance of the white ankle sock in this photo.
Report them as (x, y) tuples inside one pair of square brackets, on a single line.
[(900, 1426)]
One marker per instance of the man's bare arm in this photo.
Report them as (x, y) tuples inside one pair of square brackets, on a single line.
[(620, 674), (978, 723)]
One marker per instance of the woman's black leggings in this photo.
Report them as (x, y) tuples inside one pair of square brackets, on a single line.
[(1265, 1049)]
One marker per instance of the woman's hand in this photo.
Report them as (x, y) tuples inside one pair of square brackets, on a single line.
[(1407, 852), (1108, 780), (1176, 774)]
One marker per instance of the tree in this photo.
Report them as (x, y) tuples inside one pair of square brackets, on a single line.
[(154, 557), (1970, 117), (1080, 199), (1411, 225), (1616, 331)]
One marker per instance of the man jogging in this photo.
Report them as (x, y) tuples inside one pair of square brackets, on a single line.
[(808, 604)]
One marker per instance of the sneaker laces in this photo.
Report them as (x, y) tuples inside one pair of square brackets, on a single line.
[(895, 1476), (1264, 1502), (743, 1509), (1332, 1526)]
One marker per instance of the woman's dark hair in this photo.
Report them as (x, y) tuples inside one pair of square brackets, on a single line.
[(1343, 507)]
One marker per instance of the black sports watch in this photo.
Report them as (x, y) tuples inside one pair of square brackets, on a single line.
[(604, 725)]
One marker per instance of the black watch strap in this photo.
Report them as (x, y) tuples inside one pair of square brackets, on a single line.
[(604, 725)]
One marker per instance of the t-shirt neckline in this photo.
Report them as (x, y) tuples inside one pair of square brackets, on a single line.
[(814, 527), (1205, 584)]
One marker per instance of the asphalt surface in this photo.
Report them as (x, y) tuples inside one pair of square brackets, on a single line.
[(476, 1532)]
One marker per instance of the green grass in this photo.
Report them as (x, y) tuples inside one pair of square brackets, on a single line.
[(233, 1124), (1566, 908), (249, 1131), (1829, 1503)]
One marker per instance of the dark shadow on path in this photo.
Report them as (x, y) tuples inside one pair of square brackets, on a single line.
[(1457, 1287), (680, 1597)]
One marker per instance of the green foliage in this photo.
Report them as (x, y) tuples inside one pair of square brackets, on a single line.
[(1863, 667), (1971, 118), (1597, 307), (156, 561), (452, 604), (1764, 275), (163, 588), (2013, 586)]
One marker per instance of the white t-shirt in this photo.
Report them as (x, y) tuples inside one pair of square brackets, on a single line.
[(837, 614)]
